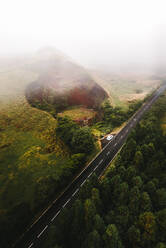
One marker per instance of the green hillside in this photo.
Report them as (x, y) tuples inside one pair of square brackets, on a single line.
[(34, 163)]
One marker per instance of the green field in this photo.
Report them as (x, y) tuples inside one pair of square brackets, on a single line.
[(78, 113), (34, 163), (163, 124), (125, 89)]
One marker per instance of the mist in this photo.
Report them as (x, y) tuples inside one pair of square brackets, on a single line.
[(96, 34)]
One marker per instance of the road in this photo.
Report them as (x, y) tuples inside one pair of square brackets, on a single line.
[(33, 237)]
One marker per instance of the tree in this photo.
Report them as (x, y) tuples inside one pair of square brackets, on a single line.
[(65, 129), (134, 200), (111, 237), (151, 188), (129, 149), (130, 173), (137, 181), (78, 159), (161, 198), (121, 170), (160, 245), (138, 159), (121, 194), (161, 220), (90, 212), (146, 204), (99, 224), (82, 141), (96, 199), (122, 217), (77, 225), (148, 151), (147, 224), (94, 240), (134, 235)]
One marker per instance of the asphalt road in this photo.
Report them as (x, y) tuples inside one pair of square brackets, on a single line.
[(35, 234)]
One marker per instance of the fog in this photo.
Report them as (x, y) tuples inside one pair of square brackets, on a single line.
[(95, 33)]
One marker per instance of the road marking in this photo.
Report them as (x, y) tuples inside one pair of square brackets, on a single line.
[(42, 231), (83, 182), (115, 144), (75, 192), (108, 153), (30, 245), (95, 168), (101, 161), (66, 203), (121, 136), (55, 215), (90, 174)]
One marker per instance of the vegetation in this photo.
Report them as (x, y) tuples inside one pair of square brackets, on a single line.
[(125, 89), (39, 155), (79, 140), (114, 116), (127, 208), (35, 164), (77, 113), (163, 122)]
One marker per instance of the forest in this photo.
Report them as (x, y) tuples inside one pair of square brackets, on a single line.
[(126, 207), (113, 117)]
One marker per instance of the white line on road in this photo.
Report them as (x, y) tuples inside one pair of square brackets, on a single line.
[(121, 136), (66, 203), (30, 245), (83, 182), (55, 215), (75, 192), (42, 231), (101, 161), (90, 174), (115, 144), (108, 153)]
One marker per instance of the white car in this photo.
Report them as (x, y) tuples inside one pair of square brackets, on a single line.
[(109, 137)]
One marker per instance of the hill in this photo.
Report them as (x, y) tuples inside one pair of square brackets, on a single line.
[(62, 84)]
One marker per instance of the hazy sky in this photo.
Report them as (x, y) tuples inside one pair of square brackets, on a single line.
[(90, 31)]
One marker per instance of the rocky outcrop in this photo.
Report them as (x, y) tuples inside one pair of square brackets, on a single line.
[(63, 83)]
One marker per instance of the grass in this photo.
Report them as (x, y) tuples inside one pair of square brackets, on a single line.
[(22, 129), (25, 130), (163, 124), (78, 113), (30, 153), (125, 89)]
